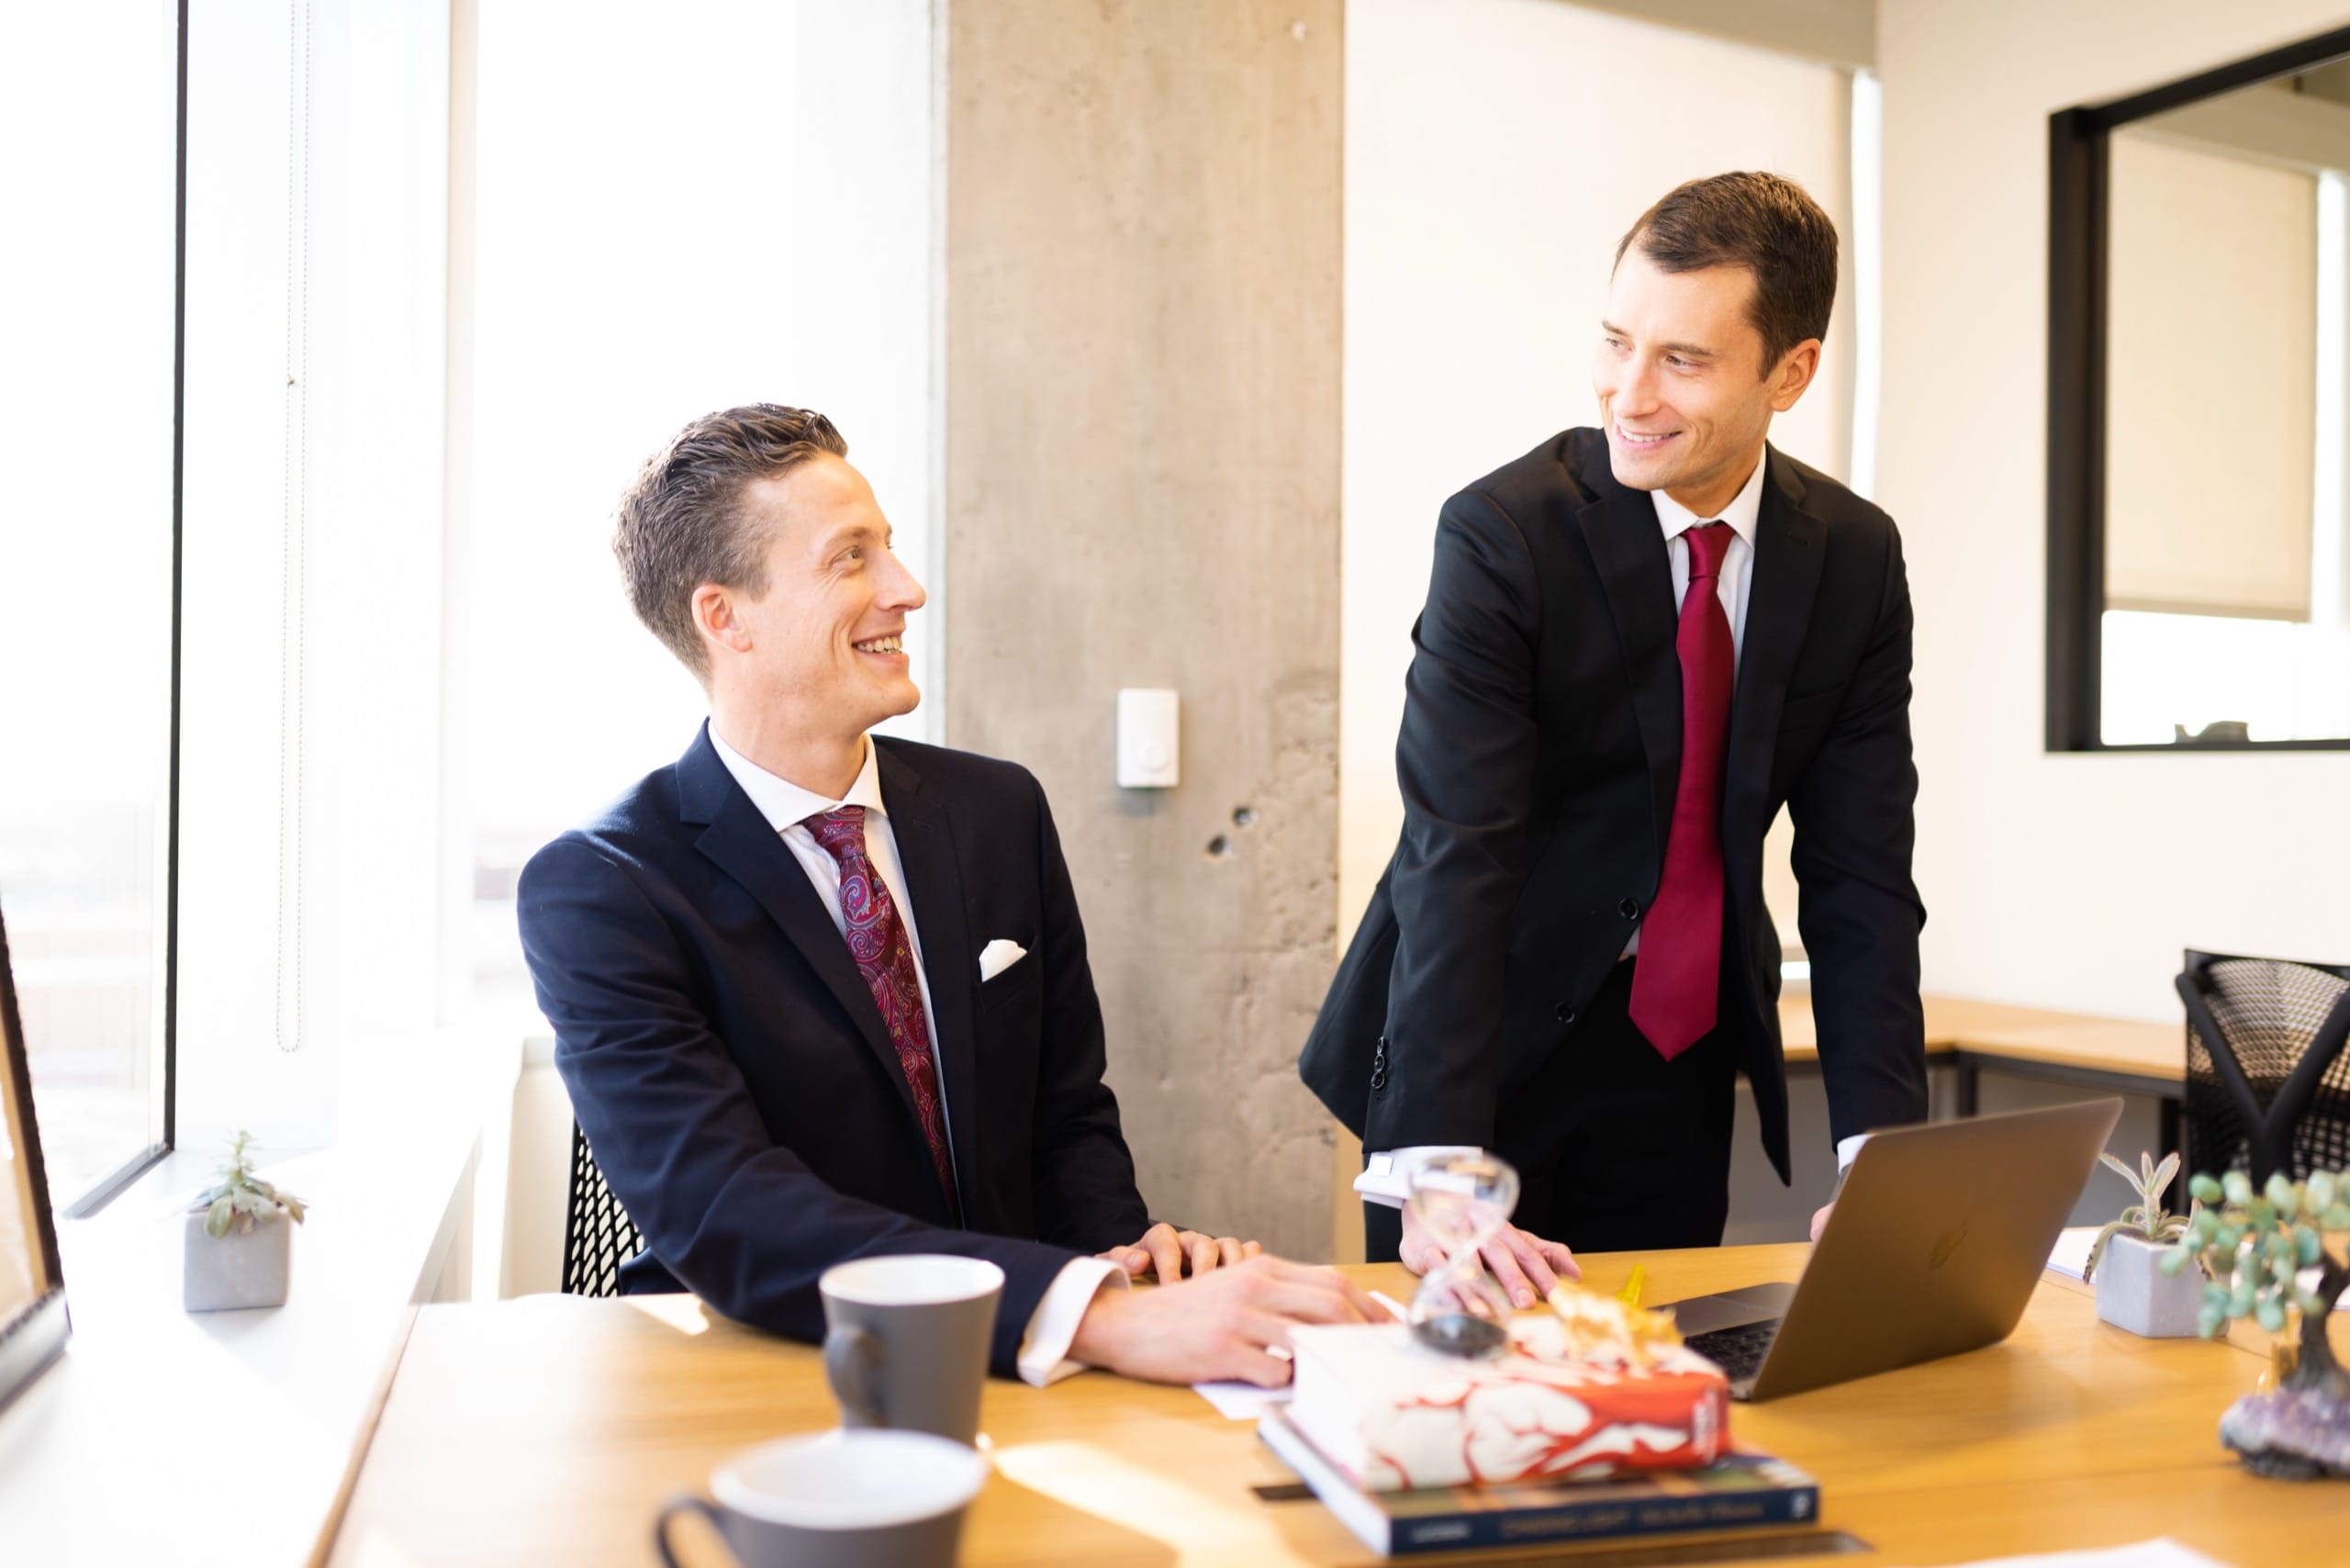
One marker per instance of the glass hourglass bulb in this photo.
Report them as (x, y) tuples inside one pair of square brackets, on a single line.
[(1461, 1201)]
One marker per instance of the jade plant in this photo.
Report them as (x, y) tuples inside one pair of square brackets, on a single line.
[(2145, 1218), (241, 1199), (2256, 1243)]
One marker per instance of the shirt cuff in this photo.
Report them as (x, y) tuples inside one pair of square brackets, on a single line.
[(1386, 1178), (1846, 1148), (1043, 1349)]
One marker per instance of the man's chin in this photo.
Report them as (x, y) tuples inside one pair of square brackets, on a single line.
[(1636, 472)]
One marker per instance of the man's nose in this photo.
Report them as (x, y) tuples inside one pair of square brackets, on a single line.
[(902, 591)]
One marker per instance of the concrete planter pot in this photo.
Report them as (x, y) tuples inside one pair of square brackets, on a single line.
[(234, 1270), (2132, 1294)]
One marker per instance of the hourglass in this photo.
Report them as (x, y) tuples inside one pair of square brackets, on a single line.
[(1461, 1199)]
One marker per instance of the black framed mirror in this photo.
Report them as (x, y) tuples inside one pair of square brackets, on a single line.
[(2198, 411)]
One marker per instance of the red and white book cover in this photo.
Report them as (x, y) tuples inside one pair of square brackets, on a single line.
[(1393, 1413)]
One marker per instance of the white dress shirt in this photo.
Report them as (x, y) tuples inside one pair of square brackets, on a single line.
[(1043, 1349)]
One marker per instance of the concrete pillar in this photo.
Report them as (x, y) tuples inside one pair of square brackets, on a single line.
[(1142, 355)]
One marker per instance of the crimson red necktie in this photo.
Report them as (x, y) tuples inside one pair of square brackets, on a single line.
[(877, 939), (1676, 973)]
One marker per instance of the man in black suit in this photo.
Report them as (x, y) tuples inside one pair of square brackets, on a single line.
[(821, 995), (1640, 642)]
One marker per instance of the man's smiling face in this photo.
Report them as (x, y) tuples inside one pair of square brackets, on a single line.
[(1683, 392), (827, 636)]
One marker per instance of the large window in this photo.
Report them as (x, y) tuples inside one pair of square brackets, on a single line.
[(88, 102)]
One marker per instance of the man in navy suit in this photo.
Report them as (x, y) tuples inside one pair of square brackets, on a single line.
[(821, 995)]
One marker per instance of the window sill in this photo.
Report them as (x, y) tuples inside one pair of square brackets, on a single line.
[(234, 1431)]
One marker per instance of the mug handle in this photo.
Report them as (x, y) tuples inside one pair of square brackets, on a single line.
[(686, 1504), (852, 1366)]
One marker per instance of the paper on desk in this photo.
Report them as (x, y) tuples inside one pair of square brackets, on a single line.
[(2162, 1552), (1240, 1401), (2071, 1253)]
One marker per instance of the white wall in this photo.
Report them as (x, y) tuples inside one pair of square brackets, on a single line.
[(2072, 880), (1496, 151)]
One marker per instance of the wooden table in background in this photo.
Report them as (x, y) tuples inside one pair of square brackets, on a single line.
[(551, 1429), (2112, 1056)]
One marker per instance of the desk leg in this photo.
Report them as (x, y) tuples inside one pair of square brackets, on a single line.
[(1969, 1085)]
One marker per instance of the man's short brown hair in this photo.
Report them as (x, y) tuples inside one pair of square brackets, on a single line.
[(1766, 224), (682, 524)]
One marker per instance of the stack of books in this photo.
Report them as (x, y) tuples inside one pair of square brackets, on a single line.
[(1415, 1450)]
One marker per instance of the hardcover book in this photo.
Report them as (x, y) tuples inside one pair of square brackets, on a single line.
[(1737, 1492), (1392, 1414)]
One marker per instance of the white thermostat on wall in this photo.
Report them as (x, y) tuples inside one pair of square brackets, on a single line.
[(1148, 756)]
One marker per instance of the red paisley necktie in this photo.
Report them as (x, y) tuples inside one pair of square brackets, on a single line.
[(1676, 973), (877, 939)]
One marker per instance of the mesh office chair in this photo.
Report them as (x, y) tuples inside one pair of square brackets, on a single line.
[(597, 1235), (2267, 1079)]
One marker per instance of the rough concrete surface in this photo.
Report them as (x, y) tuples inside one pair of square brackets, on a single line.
[(1142, 248)]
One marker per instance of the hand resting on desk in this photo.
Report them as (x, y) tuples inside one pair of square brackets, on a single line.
[(1524, 1265), (1218, 1326), (1171, 1253)]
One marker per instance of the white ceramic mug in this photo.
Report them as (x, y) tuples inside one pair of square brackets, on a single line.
[(839, 1499)]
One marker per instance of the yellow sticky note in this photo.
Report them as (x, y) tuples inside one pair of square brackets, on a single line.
[(1630, 1294)]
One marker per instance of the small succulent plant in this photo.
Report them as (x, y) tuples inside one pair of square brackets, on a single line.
[(241, 1199), (2144, 1218)]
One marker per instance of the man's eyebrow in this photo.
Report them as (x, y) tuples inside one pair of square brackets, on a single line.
[(1688, 351), (849, 533)]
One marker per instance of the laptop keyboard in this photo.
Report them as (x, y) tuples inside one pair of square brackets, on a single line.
[(1737, 1351)]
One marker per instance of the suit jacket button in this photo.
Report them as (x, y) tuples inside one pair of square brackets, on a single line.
[(1566, 1013), (1630, 909)]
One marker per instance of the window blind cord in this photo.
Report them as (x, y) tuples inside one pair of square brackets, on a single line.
[(293, 525)]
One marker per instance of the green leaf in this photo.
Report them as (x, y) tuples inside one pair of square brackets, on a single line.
[(2281, 1194), (2318, 1191), (2206, 1225), (2164, 1174), (2171, 1261), (2238, 1187), (217, 1217), (2336, 1215), (2271, 1314), (2207, 1319), (2118, 1169), (2308, 1248), (2205, 1189)]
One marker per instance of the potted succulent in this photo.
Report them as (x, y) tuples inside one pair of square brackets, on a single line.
[(2258, 1244), (238, 1245), (2131, 1293)]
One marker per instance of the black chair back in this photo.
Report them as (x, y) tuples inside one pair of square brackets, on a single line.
[(2267, 1079), (597, 1235)]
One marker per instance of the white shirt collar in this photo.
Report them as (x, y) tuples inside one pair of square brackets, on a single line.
[(1741, 514), (784, 803)]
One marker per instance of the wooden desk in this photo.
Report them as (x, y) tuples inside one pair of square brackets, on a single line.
[(549, 1429), (2111, 1055)]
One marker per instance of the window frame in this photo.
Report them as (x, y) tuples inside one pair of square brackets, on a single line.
[(2079, 147), (164, 1096)]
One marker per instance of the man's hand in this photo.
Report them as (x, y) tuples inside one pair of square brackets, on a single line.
[(1819, 1219), (1171, 1253), (1524, 1265), (1217, 1328)]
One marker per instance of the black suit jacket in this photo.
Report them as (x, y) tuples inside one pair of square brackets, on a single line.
[(1538, 756), (733, 1076)]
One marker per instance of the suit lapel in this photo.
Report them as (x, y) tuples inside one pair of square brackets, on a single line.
[(742, 843), (1788, 553), (1625, 544), (934, 888)]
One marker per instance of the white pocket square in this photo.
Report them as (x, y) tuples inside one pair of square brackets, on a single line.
[(999, 956)]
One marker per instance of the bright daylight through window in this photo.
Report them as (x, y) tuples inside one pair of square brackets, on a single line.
[(85, 566)]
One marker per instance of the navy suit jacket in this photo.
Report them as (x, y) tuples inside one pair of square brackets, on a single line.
[(733, 1076), (1539, 758)]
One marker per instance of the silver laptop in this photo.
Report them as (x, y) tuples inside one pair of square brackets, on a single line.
[(1939, 1234)]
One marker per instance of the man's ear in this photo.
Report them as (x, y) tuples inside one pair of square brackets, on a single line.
[(1795, 371), (715, 618)]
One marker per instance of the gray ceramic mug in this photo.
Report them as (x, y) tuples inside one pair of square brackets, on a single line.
[(906, 1340), (839, 1499)]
